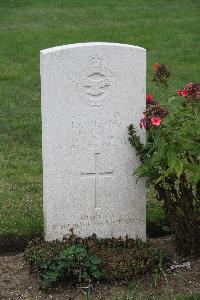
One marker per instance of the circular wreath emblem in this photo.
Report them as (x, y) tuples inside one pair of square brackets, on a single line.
[(95, 83)]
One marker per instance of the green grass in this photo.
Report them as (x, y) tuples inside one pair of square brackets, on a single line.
[(169, 30)]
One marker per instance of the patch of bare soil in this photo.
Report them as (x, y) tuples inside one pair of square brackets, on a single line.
[(17, 282)]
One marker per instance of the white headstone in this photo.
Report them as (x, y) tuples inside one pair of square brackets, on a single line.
[(91, 92)]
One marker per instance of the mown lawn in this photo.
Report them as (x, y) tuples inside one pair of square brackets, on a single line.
[(169, 30)]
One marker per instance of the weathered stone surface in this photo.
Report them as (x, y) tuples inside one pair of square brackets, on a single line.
[(91, 92)]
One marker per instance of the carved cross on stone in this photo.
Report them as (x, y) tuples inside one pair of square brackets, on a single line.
[(96, 174)]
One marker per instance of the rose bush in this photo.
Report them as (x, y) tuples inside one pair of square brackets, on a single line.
[(170, 159)]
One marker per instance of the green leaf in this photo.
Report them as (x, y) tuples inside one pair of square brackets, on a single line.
[(85, 275), (143, 169), (51, 277), (171, 158), (197, 174), (161, 149), (98, 274), (179, 167)]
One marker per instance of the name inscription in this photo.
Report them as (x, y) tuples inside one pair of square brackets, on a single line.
[(96, 132)]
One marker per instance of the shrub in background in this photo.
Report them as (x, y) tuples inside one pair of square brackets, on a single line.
[(88, 260), (170, 160)]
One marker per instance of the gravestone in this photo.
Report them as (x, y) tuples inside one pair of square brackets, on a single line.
[(90, 93)]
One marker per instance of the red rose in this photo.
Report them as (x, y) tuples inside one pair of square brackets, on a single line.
[(155, 66), (179, 92), (155, 121), (149, 98), (184, 93)]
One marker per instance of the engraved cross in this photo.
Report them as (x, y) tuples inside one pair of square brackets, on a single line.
[(96, 174)]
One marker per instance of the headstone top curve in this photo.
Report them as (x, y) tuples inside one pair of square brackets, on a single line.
[(89, 44)]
